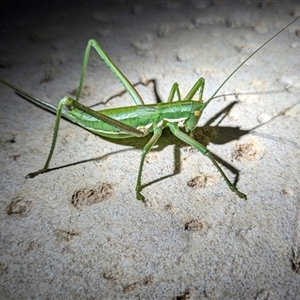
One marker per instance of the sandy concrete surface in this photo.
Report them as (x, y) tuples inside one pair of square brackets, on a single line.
[(77, 231)]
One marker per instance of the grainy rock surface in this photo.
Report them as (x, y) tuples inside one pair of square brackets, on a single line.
[(78, 232)]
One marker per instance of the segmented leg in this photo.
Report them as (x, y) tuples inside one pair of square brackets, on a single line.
[(187, 139), (72, 104), (146, 149), (128, 86), (60, 106), (199, 85)]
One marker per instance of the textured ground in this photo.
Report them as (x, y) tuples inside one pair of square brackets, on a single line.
[(78, 231)]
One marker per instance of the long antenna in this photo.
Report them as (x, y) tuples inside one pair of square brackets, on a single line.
[(236, 69)]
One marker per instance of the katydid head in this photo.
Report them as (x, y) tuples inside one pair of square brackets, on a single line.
[(196, 110)]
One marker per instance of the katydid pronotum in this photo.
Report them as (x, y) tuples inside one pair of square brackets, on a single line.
[(138, 120)]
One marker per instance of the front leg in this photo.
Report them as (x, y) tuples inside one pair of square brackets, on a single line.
[(189, 140)]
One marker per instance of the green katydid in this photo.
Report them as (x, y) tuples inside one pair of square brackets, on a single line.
[(138, 120)]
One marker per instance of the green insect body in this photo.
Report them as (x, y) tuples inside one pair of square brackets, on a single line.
[(143, 118), (138, 120)]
